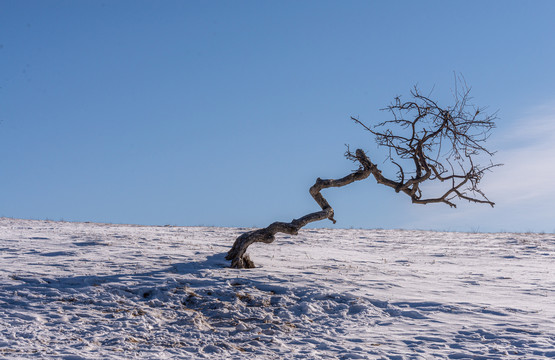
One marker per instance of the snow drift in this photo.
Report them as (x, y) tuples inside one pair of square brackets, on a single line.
[(84, 290)]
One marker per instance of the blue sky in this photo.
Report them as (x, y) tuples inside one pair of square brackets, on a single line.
[(225, 112)]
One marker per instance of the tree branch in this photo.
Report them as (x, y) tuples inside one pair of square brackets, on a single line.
[(433, 140)]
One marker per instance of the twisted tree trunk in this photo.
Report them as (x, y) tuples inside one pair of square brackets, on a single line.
[(237, 254)]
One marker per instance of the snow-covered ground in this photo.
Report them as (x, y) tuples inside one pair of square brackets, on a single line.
[(84, 290)]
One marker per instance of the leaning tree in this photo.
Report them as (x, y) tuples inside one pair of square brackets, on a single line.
[(427, 143)]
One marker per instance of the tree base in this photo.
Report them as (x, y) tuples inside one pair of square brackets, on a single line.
[(243, 262)]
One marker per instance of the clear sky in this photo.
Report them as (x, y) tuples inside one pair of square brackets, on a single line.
[(225, 112)]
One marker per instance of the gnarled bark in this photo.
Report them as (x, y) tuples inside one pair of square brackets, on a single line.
[(237, 254)]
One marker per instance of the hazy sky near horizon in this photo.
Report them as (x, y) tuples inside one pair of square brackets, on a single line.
[(225, 112)]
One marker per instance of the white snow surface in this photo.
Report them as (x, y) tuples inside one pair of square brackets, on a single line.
[(102, 291)]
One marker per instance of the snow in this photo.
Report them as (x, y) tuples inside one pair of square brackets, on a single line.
[(102, 291)]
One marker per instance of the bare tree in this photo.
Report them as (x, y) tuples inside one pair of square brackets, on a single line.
[(426, 142)]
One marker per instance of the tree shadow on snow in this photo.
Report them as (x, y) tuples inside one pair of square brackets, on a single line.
[(129, 278), (216, 261)]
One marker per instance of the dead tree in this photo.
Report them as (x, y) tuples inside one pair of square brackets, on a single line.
[(426, 142)]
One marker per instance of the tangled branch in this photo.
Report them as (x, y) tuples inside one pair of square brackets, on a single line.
[(435, 144)]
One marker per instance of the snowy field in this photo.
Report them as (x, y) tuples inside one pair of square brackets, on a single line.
[(100, 291)]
